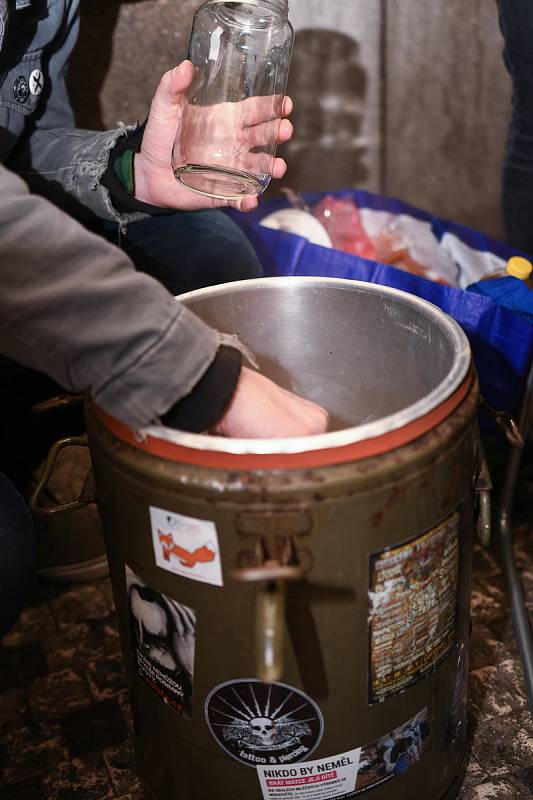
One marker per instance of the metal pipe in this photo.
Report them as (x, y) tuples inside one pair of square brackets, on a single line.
[(503, 527), (484, 489), (270, 621)]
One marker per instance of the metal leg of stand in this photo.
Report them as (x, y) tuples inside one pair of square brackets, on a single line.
[(503, 530)]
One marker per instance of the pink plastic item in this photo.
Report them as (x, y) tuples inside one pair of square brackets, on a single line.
[(340, 217)]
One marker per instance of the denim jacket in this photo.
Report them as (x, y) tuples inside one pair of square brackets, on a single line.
[(72, 305), (38, 138)]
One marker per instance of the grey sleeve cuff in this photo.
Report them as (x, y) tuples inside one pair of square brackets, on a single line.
[(89, 173), (184, 352)]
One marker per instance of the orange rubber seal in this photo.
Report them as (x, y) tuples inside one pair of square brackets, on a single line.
[(326, 457)]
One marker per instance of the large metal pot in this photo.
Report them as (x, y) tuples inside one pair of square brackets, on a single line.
[(294, 614)]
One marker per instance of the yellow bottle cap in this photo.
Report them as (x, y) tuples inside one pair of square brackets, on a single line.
[(519, 267)]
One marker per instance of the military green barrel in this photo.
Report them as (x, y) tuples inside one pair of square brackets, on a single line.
[(294, 614)]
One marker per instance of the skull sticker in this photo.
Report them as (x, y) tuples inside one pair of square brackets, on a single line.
[(264, 729), (263, 723)]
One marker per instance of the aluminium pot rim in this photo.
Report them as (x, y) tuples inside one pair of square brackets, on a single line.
[(408, 416)]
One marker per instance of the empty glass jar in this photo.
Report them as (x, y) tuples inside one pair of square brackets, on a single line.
[(241, 53)]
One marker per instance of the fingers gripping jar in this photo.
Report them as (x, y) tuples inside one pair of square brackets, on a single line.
[(232, 111)]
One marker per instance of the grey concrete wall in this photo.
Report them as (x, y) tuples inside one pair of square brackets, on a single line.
[(123, 49), (446, 109), (407, 97)]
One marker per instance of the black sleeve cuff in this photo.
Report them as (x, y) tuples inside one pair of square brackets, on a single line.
[(210, 397), (123, 202)]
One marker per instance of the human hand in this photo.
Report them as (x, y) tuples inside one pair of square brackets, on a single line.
[(260, 409), (153, 174)]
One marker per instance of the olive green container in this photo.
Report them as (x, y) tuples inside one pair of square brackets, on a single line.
[(294, 614)]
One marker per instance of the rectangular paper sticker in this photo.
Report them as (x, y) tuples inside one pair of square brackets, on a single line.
[(324, 779), (186, 546), (352, 773), (163, 637), (413, 604)]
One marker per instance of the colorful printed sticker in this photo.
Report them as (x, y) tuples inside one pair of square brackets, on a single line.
[(351, 773), (263, 723), (163, 635), (413, 608), (394, 753), (186, 546)]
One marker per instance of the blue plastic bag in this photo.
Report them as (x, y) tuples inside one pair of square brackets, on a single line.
[(501, 340)]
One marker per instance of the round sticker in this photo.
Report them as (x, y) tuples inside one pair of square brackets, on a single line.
[(263, 723), (36, 82)]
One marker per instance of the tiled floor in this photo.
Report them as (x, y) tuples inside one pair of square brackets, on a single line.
[(65, 729)]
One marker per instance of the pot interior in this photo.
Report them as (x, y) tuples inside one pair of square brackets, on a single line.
[(364, 352)]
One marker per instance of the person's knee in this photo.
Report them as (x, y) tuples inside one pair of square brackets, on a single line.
[(230, 248), (191, 250), (18, 555)]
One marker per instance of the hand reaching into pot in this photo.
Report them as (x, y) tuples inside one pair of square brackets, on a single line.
[(260, 409)]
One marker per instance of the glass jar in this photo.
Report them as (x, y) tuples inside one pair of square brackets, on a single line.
[(241, 53)]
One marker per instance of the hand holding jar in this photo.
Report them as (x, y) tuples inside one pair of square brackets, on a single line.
[(154, 178)]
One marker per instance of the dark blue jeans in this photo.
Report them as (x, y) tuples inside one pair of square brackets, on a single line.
[(516, 22), (184, 251), (187, 250)]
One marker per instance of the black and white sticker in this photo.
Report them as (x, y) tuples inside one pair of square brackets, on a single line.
[(36, 82), (163, 636), (263, 723)]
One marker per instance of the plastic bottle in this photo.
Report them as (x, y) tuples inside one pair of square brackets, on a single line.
[(517, 267), (520, 268), (241, 52)]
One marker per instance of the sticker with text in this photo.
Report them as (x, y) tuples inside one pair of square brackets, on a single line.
[(413, 608), (186, 546), (352, 773), (163, 637), (324, 779), (263, 723)]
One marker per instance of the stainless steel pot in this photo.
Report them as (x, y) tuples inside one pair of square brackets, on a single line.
[(294, 614)]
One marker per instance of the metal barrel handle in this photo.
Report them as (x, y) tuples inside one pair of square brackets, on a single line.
[(271, 576), (87, 493), (506, 423), (269, 622), (61, 401), (269, 572)]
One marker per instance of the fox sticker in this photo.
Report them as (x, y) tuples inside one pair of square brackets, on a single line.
[(202, 555), (186, 546)]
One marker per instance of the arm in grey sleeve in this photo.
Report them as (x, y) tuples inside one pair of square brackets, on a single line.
[(58, 160), (73, 306)]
